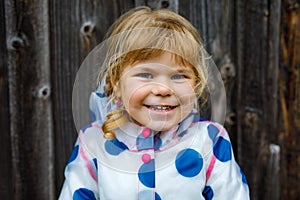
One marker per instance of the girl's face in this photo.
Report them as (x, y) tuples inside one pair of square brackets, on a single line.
[(158, 93)]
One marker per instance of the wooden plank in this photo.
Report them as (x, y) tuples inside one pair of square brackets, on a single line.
[(249, 111), (27, 34), (257, 33), (272, 183), (290, 99), (239, 55), (158, 4), (76, 27), (5, 152), (196, 12)]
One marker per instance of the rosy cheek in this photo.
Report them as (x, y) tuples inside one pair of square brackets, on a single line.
[(137, 96), (133, 96), (186, 98)]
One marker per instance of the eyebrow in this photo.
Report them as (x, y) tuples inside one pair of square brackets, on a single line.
[(185, 70)]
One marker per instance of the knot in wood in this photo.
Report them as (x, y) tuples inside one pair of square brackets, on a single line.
[(230, 119), (15, 43), (44, 92), (227, 71), (165, 4), (87, 29), (251, 119)]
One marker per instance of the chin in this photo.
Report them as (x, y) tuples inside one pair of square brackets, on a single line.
[(161, 126)]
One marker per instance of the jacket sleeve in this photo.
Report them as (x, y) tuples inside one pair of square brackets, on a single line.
[(81, 181), (224, 178)]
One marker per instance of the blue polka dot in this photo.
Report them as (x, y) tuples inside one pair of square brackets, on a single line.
[(208, 193), (74, 154), (189, 163), (95, 163), (212, 131), (147, 174), (83, 194), (157, 197), (243, 177), (222, 150), (148, 194), (115, 147)]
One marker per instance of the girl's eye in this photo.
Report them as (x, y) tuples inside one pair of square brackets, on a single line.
[(145, 75), (178, 77)]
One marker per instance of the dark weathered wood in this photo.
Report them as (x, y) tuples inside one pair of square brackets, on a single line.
[(273, 16), (200, 20), (157, 4), (76, 27), (27, 39), (257, 54), (239, 55), (290, 99), (5, 152), (249, 108)]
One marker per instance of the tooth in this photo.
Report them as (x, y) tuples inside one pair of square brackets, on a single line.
[(161, 108)]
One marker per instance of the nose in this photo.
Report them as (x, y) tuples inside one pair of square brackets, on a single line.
[(161, 90)]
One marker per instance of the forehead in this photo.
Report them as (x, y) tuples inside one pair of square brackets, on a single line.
[(164, 59)]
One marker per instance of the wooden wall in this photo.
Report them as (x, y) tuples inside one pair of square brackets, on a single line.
[(255, 43)]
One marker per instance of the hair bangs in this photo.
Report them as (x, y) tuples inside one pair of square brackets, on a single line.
[(150, 42)]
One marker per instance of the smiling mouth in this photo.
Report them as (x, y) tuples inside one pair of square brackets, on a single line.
[(160, 108)]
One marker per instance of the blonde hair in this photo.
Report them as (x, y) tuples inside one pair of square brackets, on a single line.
[(142, 34)]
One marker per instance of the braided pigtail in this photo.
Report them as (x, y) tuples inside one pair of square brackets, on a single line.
[(114, 119)]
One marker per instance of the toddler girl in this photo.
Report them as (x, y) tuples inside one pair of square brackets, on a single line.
[(148, 141)]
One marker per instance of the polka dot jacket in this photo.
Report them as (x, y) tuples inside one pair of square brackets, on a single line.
[(193, 161)]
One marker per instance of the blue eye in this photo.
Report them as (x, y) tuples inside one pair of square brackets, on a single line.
[(145, 75), (178, 77)]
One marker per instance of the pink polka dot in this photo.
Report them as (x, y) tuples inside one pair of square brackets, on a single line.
[(146, 158), (146, 133)]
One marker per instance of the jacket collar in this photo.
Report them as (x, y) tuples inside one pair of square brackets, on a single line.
[(132, 135)]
